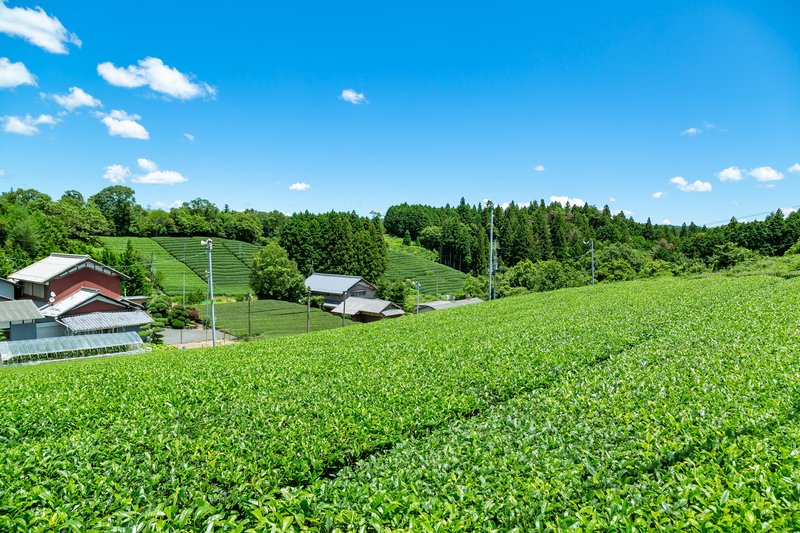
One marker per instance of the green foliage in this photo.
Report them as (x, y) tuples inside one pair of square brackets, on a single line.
[(275, 276), (153, 332), (543, 276), (476, 287), (728, 254), (159, 307)]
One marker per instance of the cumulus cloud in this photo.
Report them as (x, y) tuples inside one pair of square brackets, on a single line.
[(666, 222), (146, 165), (27, 125), (152, 72), (2, 173), (76, 98), (189, 137), (658, 195), (564, 199), (155, 176), (36, 27), (794, 168), (731, 174), (766, 174), (612, 199), (165, 205), (349, 95), (299, 186), (14, 74), (697, 186), (691, 132), (121, 124), (116, 174), (539, 168)]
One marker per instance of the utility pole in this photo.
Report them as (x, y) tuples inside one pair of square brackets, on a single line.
[(490, 205), (209, 245), (249, 315), (344, 306), (183, 298), (308, 309), (591, 243), (416, 284)]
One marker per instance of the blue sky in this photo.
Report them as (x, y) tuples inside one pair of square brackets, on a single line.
[(686, 111)]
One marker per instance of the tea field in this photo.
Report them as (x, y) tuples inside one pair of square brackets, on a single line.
[(660, 404), (435, 278)]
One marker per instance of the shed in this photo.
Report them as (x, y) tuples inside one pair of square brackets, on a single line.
[(439, 305), (367, 309)]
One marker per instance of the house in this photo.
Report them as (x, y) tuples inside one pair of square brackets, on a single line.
[(78, 295), (335, 288), (438, 305), (367, 309), (7, 290), (18, 319)]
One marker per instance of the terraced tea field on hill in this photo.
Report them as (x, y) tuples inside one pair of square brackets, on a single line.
[(434, 277), (270, 318), (660, 404)]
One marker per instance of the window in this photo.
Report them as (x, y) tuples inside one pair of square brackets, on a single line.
[(359, 294)]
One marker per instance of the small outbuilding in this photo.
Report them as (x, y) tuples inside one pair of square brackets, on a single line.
[(367, 309), (18, 319), (439, 305)]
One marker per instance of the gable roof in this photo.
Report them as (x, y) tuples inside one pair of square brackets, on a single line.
[(19, 310), (333, 283), (105, 320), (57, 265), (78, 299), (368, 306)]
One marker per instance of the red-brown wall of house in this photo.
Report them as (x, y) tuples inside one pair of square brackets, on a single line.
[(86, 277), (94, 307)]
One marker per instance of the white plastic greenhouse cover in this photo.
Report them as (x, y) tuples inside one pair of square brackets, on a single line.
[(42, 348)]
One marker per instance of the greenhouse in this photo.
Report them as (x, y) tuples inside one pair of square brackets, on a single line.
[(28, 351)]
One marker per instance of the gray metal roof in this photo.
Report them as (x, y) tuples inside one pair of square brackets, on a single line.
[(444, 304), (31, 350), (370, 306), (57, 264), (19, 310), (78, 298), (332, 283), (107, 320)]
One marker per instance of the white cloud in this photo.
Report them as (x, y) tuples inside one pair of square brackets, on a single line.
[(14, 74), (697, 186), (36, 27), (299, 186), (787, 210), (160, 177), (658, 195), (666, 222), (766, 174), (2, 173), (155, 176), (116, 174), (175, 204), (76, 98), (708, 125), (349, 95), (612, 199), (627, 213), (121, 124), (27, 125), (691, 132), (539, 168), (794, 168), (146, 165), (731, 174), (189, 137), (564, 199), (153, 73)]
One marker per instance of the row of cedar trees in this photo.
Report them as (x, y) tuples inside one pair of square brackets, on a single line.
[(539, 232)]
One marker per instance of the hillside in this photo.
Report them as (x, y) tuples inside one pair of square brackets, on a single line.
[(418, 264), (640, 405), (270, 318)]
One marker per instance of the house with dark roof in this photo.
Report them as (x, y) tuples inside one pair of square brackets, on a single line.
[(335, 288), (367, 309)]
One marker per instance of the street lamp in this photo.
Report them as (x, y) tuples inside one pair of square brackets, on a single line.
[(209, 245), (416, 284), (490, 205)]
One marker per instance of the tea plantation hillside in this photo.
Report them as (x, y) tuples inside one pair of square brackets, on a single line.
[(661, 404), (270, 318), (418, 264), (175, 273)]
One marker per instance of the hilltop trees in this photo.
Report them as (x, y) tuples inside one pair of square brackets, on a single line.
[(275, 276)]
